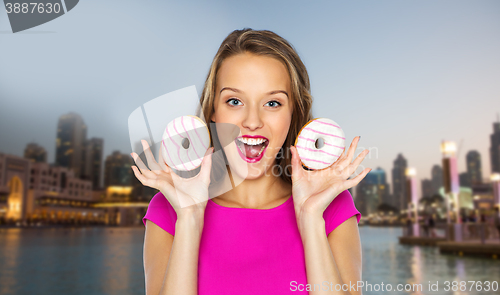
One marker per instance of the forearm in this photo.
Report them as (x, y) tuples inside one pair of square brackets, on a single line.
[(320, 263), (181, 276)]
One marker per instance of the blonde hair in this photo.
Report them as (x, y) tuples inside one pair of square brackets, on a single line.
[(264, 42)]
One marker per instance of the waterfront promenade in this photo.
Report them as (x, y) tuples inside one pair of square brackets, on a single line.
[(477, 240)]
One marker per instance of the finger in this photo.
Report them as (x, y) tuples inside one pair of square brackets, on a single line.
[(168, 188), (296, 164), (335, 166), (162, 163), (152, 164), (348, 157), (352, 148), (144, 170), (144, 180), (206, 166), (354, 181), (349, 170)]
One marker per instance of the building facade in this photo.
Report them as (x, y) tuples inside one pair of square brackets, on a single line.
[(71, 136), (473, 160), (93, 161), (436, 179), (495, 148), (118, 170), (35, 153), (37, 192), (371, 192), (399, 182), (427, 189)]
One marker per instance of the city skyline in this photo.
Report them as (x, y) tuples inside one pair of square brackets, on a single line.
[(401, 75), (472, 155)]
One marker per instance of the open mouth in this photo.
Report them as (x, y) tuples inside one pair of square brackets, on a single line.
[(251, 148)]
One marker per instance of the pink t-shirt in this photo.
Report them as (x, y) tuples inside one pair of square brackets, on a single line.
[(251, 251)]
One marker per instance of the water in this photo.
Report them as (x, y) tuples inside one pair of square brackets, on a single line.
[(384, 260), (71, 261), (109, 261)]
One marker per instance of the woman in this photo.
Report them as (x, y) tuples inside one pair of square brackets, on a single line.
[(267, 234)]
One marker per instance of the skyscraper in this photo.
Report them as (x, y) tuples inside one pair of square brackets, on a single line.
[(35, 152), (436, 178), (427, 189), (92, 161), (117, 170), (474, 167), (464, 179), (399, 182), (371, 191), (495, 147), (71, 135)]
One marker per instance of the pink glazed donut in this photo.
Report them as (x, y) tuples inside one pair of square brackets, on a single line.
[(308, 143), (184, 143)]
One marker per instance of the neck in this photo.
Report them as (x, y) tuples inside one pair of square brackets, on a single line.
[(267, 191)]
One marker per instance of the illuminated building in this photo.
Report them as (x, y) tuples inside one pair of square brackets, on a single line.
[(32, 192), (14, 180), (371, 191)]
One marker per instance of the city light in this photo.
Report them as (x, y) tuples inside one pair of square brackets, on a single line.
[(495, 177), (410, 171), (448, 148), (119, 189)]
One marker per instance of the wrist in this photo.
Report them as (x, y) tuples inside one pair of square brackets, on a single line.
[(310, 223), (192, 221)]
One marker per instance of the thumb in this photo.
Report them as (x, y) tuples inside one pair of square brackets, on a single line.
[(206, 166)]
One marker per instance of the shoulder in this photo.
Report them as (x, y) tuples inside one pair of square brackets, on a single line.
[(339, 210), (161, 213)]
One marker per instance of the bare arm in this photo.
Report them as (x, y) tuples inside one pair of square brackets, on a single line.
[(332, 261), (335, 260), (157, 246), (346, 248), (171, 262)]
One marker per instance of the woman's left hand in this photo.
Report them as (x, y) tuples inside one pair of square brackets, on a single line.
[(314, 190)]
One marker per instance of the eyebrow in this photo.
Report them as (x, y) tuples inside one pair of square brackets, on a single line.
[(239, 91)]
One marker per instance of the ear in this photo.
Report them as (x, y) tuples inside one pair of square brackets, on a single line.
[(212, 118)]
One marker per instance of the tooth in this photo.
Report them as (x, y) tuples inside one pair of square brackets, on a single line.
[(251, 141)]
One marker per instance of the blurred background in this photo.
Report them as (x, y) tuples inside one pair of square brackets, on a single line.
[(417, 80)]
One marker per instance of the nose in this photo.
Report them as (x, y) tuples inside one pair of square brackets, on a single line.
[(252, 120)]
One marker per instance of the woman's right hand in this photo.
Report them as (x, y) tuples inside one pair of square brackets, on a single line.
[(188, 196)]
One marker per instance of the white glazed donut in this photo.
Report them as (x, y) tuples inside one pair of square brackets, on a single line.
[(333, 143), (184, 143)]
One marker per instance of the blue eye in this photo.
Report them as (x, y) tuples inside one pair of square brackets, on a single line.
[(273, 103), (233, 101)]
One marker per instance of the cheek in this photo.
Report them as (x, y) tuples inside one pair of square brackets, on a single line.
[(222, 115), (281, 125)]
